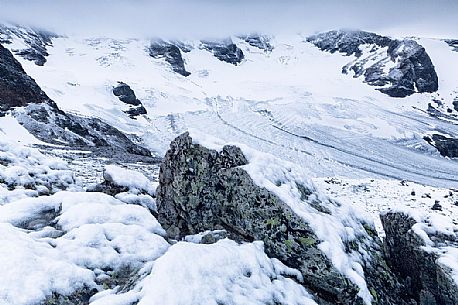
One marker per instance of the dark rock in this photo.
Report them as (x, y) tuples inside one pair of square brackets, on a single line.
[(225, 51), (80, 297), (455, 103), (36, 40), (436, 206), (426, 280), (447, 146), (54, 126), (171, 53), (413, 72), (126, 94), (17, 89), (213, 236), (202, 189), (347, 42), (453, 43), (134, 112), (258, 41)]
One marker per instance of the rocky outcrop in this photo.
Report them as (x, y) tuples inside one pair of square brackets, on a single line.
[(225, 50), (398, 68), (127, 95), (259, 41), (453, 43), (17, 89), (33, 109), (447, 146), (171, 53), (36, 41), (202, 189), (428, 281)]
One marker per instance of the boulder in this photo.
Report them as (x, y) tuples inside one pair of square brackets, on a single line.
[(206, 190), (126, 94), (447, 146), (414, 253)]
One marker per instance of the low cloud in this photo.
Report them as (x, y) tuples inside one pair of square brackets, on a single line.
[(217, 18)]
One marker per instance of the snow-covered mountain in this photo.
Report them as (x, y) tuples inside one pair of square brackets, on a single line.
[(326, 130)]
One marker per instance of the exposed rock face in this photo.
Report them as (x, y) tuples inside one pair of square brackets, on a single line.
[(259, 41), (41, 116), (447, 146), (127, 95), (202, 189), (428, 281), (172, 55), (17, 89), (453, 43), (455, 103), (410, 69), (36, 40), (225, 50)]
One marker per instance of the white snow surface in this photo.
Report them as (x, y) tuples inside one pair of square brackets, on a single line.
[(224, 272), (293, 102), (129, 178)]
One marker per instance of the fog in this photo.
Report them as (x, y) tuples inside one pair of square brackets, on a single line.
[(217, 18)]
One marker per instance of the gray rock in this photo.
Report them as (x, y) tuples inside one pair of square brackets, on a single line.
[(224, 50), (413, 72), (126, 94), (171, 53), (37, 42), (447, 146), (202, 189), (453, 43), (427, 281), (259, 41), (17, 89)]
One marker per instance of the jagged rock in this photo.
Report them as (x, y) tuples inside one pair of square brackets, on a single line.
[(225, 50), (171, 53), (347, 42), (453, 43), (126, 94), (436, 206), (36, 40), (17, 89), (455, 103), (429, 282), (202, 189), (447, 146), (56, 127), (410, 69), (80, 297), (134, 112), (258, 41), (41, 116)]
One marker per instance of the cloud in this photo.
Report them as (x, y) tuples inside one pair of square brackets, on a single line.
[(211, 18)]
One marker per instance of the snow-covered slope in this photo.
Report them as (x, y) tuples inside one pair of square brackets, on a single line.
[(290, 99)]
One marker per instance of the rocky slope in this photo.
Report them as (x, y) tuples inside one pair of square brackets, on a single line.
[(23, 98), (397, 67), (202, 189)]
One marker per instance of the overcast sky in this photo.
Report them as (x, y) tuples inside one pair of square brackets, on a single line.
[(211, 18)]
